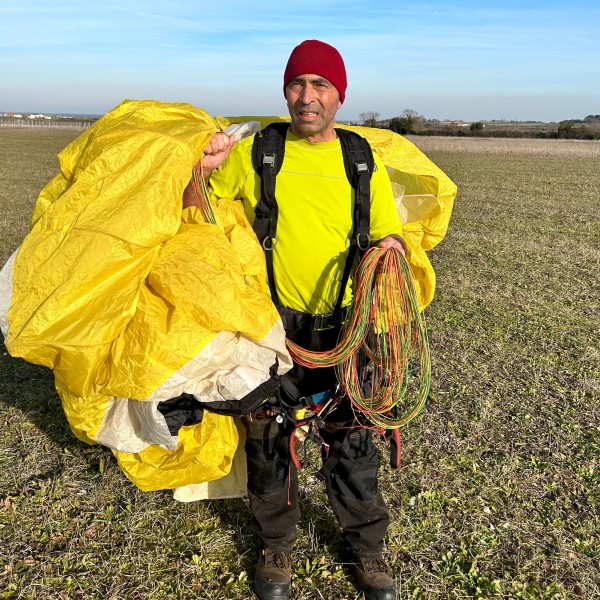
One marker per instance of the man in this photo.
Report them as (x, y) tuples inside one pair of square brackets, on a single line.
[(314, 228)]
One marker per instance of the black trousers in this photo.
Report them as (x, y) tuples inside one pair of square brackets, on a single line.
[(351, 485)]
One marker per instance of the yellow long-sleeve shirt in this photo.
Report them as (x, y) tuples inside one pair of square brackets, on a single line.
[(314, 228)]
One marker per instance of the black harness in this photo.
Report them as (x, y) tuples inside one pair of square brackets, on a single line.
[(268, 152), (317, 331)]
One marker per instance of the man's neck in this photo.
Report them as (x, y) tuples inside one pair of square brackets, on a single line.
[(318, 137)]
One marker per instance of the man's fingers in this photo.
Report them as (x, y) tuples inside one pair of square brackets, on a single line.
[(220, 142), (216, 151), (392, 242)]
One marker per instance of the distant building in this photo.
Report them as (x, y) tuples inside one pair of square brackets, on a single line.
[(456, 124)]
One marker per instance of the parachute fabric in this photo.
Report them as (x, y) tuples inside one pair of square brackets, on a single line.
[(132, 301)]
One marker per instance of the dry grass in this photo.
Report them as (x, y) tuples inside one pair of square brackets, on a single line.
[(498, 493), (27, 162), (527, 147)]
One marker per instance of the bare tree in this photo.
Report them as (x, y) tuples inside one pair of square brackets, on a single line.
[(369, 119)]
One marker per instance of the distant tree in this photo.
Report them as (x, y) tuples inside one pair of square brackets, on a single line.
[(369, 119), (398, 125), (410, 121), (592, 119), (476, 127), (565, 129), (585, 133)]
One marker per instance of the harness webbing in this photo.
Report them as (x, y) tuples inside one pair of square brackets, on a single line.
[(268, 152), (267, 157), (359, 176)]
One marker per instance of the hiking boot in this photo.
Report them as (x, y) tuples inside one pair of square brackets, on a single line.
[(273, 575), (373, 578)]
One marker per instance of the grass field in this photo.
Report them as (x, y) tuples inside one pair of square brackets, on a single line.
[(498, 494)]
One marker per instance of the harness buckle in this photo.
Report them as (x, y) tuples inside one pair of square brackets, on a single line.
[(268, 160), (323, 321), (361, 167), (359, 241)]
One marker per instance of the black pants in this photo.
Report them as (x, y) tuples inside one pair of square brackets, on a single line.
[(351, 485)]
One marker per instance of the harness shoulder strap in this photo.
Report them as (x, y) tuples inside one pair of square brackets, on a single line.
[(269, 142), (359, 164), (268, 150), (357, 152)]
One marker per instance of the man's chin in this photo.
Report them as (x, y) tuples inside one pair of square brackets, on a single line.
[(310, 127)]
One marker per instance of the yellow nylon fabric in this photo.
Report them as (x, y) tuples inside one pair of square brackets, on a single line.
[(156, 469), (130, 299), (116, 288)]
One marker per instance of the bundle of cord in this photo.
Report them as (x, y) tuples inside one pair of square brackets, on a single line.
[(382, 358), (201, 192)]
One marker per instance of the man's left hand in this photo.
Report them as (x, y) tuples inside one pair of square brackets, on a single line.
[(392, 241)]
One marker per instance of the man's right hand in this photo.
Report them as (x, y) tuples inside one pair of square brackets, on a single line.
[(215, 153)]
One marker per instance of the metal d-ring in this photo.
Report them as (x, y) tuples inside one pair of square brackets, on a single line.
[(269, 244)]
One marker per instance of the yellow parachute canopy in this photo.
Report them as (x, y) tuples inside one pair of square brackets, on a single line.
[(133, 301)]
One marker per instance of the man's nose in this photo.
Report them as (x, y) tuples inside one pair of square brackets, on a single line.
[(307, 94)]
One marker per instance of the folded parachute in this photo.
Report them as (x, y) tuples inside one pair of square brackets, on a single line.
[(133, 302)]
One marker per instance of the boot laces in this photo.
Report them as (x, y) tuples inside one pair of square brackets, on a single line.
[(373, 565), (277, 558)]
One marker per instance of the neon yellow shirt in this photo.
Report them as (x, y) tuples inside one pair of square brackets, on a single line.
[(314, 227)]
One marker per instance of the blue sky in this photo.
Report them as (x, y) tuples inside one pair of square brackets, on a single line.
[(447, 60)]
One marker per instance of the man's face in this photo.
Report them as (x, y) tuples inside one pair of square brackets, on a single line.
[(313, 102)]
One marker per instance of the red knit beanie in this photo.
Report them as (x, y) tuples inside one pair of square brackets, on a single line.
[(313, 56)]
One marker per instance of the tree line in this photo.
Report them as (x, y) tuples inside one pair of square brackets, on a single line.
[(411, 122)]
